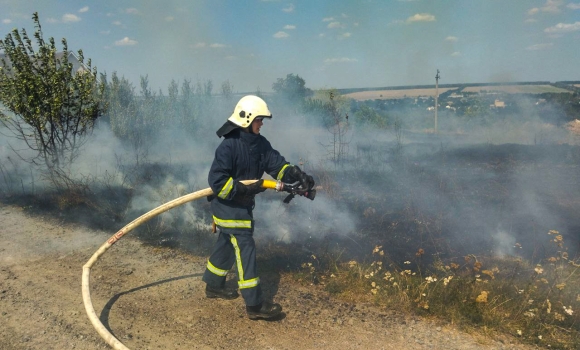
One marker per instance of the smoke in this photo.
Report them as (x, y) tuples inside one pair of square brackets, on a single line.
[(504, 243), (302, 219), (486, 185)]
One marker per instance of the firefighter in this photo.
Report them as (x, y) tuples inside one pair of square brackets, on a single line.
[(244, 154)]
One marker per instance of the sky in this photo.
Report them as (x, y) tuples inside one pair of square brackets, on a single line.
[(329, 43)]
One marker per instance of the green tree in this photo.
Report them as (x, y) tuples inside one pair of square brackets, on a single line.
[(367, 115), (331, 108), (227, 90), (54, 107), (293, 88)]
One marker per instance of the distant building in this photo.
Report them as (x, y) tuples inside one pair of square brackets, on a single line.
[(498, 104)]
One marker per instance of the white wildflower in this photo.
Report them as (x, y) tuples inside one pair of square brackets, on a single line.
[(430, 279), (447, 279)]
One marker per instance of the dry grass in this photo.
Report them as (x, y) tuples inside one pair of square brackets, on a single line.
[(517, 89), (394, 94), (539, 303)]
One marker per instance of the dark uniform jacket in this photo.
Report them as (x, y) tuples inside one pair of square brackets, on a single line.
[(240, 156)]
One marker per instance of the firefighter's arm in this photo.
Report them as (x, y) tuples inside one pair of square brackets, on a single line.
[(220, 175)]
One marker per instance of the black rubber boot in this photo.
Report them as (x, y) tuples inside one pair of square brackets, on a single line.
[(265, 310), (222, 293)]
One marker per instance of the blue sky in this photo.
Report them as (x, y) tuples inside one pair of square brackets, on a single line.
[(329, 43)]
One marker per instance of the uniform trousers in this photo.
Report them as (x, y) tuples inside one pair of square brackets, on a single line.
[(238, 248)]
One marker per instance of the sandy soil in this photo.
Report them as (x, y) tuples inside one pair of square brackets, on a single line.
[(152, 298)]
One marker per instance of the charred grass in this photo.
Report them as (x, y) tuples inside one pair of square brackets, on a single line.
[(485, 237)]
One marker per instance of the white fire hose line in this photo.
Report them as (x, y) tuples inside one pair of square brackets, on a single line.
[(101, 329)]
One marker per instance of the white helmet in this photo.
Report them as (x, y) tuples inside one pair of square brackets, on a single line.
[(248, 108)]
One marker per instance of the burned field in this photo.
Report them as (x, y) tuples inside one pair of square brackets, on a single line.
[(448, 200), (425, 226), (452, 201)]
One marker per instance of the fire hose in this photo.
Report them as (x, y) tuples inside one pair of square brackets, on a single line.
[(292, 189)]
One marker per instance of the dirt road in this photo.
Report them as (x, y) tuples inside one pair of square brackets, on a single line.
[(152, 298)]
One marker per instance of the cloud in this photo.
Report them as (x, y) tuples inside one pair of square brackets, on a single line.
[(328, 19), (530, 20), (533, 11), (217, 46), (552, 6), (199, 45), (345, 35), (126, 42), (132, 11), (70, 18), (6, 21), (289, 8), (539, 47), (289, 27), (421, 17), (451, 38), (573, 6), (117, 23), (333, 25), (84, 9), (169, 18), (563, 28), (281, 35), (340, 60), (456, 53)]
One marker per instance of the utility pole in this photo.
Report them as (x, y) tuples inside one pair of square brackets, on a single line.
[(436, 97)]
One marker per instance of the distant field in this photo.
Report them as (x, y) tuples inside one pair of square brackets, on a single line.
[(393, 94), (517, 89), (405, 93)]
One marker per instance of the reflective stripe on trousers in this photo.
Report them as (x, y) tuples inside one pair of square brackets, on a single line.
[(242, 283)]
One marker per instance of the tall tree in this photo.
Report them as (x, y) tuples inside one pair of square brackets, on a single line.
[(54, 107), (293, 88)]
